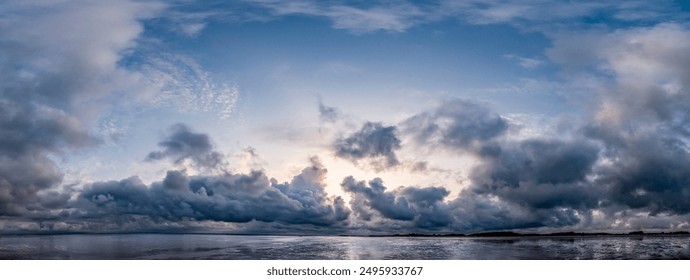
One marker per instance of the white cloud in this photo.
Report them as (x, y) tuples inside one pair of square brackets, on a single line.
[(526, 62), (646, 69)]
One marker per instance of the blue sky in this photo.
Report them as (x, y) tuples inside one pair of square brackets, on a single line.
[(265, 116)]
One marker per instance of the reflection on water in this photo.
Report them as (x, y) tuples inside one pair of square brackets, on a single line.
[(190, 246)]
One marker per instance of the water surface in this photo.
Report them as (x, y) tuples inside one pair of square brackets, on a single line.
[(200, 246)]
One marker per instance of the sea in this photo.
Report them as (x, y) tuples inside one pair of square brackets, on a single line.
[(253, 247)]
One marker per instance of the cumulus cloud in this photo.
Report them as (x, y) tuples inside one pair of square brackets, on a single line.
[(62, 68), (641, 118), (179, 202), (545, 179), (30, 136), (628, 159), (414, 207), (233, 198), (375, 143), (43, 108), (35, 57), (183, 144), (457, 124)]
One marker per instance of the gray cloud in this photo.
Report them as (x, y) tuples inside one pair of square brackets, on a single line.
[(641, 119), (649, 174), (35, 57), (184, 144), (628, 160), (30, 134), (544, 180), (539, 161), (602, 172), (53, 86), (457, 124), (374, 142), (422, 208), (234, 198), (373, 196)]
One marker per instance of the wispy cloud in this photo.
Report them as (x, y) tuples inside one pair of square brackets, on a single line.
[(398, 16), (525, 62)]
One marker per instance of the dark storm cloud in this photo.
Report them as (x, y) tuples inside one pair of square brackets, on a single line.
[(457, 124), (476, 213), (29, 134), (540, 162), (236, 198), (183, 144), (530, 184), (422, 207), (641, 119), (373, 142), (650, 174), (411, 209)]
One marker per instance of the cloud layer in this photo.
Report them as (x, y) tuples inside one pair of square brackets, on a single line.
[(233, 198)]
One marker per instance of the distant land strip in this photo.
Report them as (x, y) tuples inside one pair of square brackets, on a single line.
[(517, 234)]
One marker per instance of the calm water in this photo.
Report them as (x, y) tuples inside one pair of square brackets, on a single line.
[(170, 246)]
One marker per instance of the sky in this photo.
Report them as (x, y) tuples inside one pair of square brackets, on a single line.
[(344, 117)]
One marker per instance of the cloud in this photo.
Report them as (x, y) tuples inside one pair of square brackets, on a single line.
[(177, 81), (35, 57), (526, 62), (84, 73), (183, 144), (457, 124), (421, 208), (539, 161), (59, 88), (53, 83), (649, 175), (534, 183), (374, 142), (399, 16), (30, 135), (326, 113), (395, 17), (231, 198), (641, 117)]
